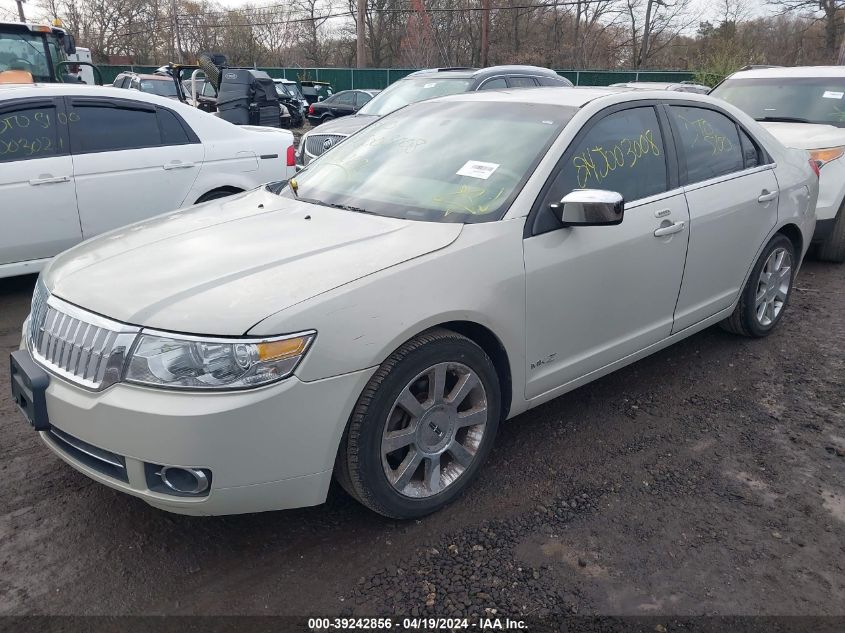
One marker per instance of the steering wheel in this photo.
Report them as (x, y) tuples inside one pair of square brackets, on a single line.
[(21, 59)]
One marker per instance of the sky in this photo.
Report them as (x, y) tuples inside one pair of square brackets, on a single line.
[(709, 9)]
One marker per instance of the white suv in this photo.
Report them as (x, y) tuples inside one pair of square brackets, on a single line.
[(78, 160), (803, 107)]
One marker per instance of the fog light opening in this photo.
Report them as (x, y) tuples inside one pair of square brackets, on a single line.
[(186, 481)]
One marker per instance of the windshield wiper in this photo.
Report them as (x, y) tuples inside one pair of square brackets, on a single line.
[(782, 119), (334, 205)]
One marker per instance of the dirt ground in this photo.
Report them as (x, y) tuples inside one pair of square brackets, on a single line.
[(707, 479)]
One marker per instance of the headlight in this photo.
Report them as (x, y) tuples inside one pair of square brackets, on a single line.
[(171, 361), (824, 156)]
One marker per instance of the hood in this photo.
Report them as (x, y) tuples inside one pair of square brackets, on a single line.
[(221, 267), (806, 135), (345, 125)]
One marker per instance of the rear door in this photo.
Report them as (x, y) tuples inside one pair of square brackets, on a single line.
[(131, 160), (343, 104), (732, 194), (38, 212)]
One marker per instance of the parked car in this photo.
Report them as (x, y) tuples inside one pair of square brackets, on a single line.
[(803, 107), (420, 85), (290, 97), (161, 85), (340, 104), (79, 160), (292, 88), (681, 86), (379, 316), (315, 91)]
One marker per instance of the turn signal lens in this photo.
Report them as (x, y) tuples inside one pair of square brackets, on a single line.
[(824, 156), (278, 350)]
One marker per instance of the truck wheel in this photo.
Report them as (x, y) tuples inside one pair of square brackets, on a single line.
[(833, 248), (766, 292), (422, 427)]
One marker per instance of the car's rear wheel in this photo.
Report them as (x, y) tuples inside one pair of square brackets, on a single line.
[(833, 248), (766, 293), (422, 427)]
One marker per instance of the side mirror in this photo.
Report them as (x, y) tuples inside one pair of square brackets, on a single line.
[(590, 207), (70, 44)]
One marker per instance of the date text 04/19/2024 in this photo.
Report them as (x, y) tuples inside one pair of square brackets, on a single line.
[(416, 624)]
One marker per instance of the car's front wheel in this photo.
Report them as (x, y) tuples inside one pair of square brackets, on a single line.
[(766, 292), (422, 427)]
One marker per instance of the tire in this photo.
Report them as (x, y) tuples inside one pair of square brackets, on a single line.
[(215, 195), (761, 288), (441, 430), (833, 248)]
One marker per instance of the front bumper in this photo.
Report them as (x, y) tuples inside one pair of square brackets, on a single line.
[(267, 449)]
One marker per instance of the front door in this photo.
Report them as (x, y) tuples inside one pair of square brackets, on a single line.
[(597, 294), (38, 212)]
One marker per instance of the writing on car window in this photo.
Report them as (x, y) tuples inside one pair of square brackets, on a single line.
[(594, 164), (30, 133)]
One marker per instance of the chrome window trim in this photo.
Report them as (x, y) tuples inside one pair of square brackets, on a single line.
[(701, 184)]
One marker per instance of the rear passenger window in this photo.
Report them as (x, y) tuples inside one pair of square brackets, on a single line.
[(172, 132), (98, 128), (750, 152), (29, 133), (623, 152), (710, 142), (522, 82)]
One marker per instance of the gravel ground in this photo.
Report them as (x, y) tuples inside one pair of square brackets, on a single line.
[(706, 479)]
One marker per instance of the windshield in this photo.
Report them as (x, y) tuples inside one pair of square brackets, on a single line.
[(443, 162), (282, 90), (806, 99), (294, 90), (25, 51), (165, 88), (408, 91)]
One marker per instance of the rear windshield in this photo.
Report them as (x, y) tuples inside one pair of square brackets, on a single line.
[(165, 88), (408, 91), (803, 99)]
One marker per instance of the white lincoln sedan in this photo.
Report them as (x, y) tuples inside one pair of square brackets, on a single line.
[(450, 266)]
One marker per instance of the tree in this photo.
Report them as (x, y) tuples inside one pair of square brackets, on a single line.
[(829, 11)]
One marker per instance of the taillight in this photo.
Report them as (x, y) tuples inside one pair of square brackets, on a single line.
[(291, 156), (814, 165), (311, 109)]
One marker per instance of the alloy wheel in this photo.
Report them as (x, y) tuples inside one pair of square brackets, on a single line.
[(773, 286), (434, 430)]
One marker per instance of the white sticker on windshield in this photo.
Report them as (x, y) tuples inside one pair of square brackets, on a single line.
[(477, 169), (832, 94), (431, 85)]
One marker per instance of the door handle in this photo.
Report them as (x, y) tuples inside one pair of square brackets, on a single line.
[(677, 227), (767, 196), (47, 180), (178, 165)]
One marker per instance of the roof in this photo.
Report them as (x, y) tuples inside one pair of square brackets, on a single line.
[(484, 72), (794, 71), (30, 26), (9, 91), (154, 77), (575, 97)]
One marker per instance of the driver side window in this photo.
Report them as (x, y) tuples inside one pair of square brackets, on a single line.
[(623, 152)]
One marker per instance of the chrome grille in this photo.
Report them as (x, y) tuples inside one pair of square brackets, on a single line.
[(82, 347), (315, 143)]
